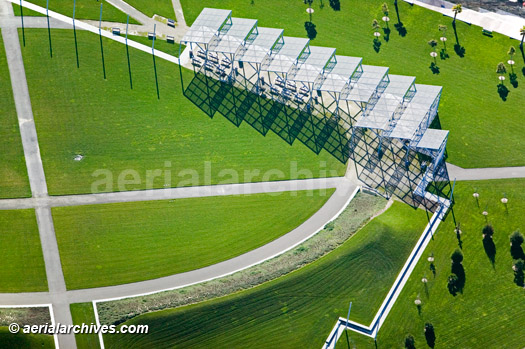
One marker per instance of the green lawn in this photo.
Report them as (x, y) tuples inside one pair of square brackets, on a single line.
[(162, 8), (116, 129), (485, 131), (13, 171), (103, 245), (25, 341), (297, 310), (85, 9), (22, 262), (83, 313), (489, 314)]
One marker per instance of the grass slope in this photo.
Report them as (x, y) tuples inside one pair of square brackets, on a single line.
[(85, 9), (83, 313), (25, 341), (162, 8), (485, 315), (13, 171), (22, 261), (112, 244), (484, 128), (78, 112), (297, 310)]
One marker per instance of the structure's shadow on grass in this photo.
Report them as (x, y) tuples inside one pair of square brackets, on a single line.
[(490, 250), (460, 50), (239, 105), (377, 45), (523, 71), (503, 92), (434, 68)]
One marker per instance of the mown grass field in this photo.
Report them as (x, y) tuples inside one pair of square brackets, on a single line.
[(23, 264), (84, 9), (82, 313), (25, 341), (13, 171), (160, 45), (485, 131), (489, 313), (162, 8), (112, 244), (116, 129), (299, 309)]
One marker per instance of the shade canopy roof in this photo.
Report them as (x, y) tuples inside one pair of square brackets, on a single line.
[(206, 26)]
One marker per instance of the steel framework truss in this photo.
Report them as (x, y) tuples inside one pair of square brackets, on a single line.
[(382, 122)]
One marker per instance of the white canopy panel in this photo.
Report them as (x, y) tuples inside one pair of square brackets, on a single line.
[(234, 36), (382, 112), (261, 47), (367, 84), (416, 111), (286, 56), (338, 78), (432, 139), (206, 26)]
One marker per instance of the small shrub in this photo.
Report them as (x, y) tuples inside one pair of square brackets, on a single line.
[(488, 231), (457, 257), (430, 335), (330, 226), (410, 342), (516, 239)]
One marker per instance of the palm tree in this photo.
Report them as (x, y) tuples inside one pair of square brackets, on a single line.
[(375, 25), (384, 8), (456, 9), (433, 43), (501, 70), (511, 53)]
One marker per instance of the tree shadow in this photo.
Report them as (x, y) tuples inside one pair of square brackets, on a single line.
[(311, 32), (513, 77), (434, 68), (522, 54), (443, 54), (490, 250), (387, 34), (503, 92), (523, 71), (460, 50), (517, 252), (432, 268), (377, 45), (335, 5), (519, 277), (457, 268), (399, 25), (460, 242)]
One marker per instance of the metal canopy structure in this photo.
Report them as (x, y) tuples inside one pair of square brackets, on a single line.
[(356, 112), (207, 25)]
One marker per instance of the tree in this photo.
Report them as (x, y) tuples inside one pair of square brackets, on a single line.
[(501, 70), (443, 29), (511, 53), (457, 257), (522, 33), (384, 8), (516, 239), (456, 9), (410, 342), (430, 335), (488, 231), (375, 25)]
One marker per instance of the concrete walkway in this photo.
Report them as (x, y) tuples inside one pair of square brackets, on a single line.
[(505, 24), (37, 181), (480, 174), (172, 193)]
